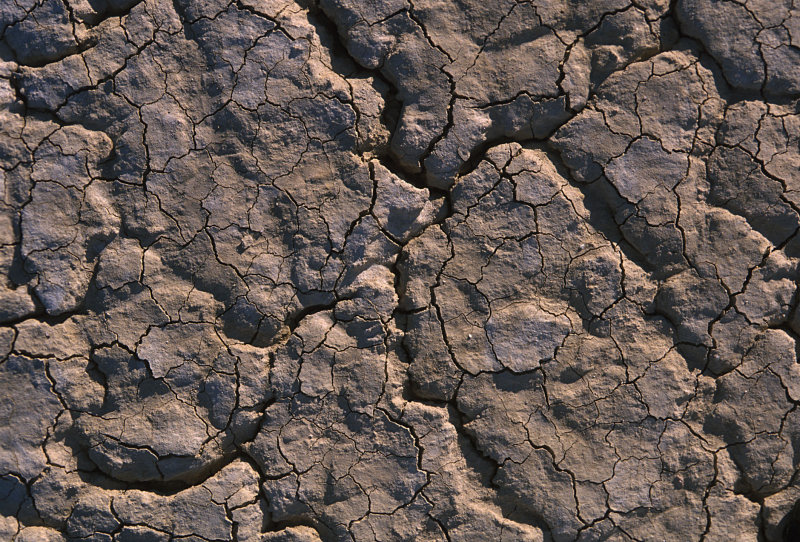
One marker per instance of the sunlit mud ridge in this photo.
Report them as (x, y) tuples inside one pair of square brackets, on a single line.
[(441, 270)]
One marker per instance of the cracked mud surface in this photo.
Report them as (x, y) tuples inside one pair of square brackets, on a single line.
[(437, 270)]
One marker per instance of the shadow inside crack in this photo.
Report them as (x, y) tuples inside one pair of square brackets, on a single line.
[(791, 529)]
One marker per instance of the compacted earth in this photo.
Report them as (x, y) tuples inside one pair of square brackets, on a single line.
[(389, 270)]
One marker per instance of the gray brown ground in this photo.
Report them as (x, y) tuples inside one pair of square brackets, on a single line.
[(388, 270)]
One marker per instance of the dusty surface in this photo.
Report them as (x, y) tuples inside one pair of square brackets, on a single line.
[(441, 270)]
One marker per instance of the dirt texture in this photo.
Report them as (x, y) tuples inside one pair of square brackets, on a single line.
[(399, 270)]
